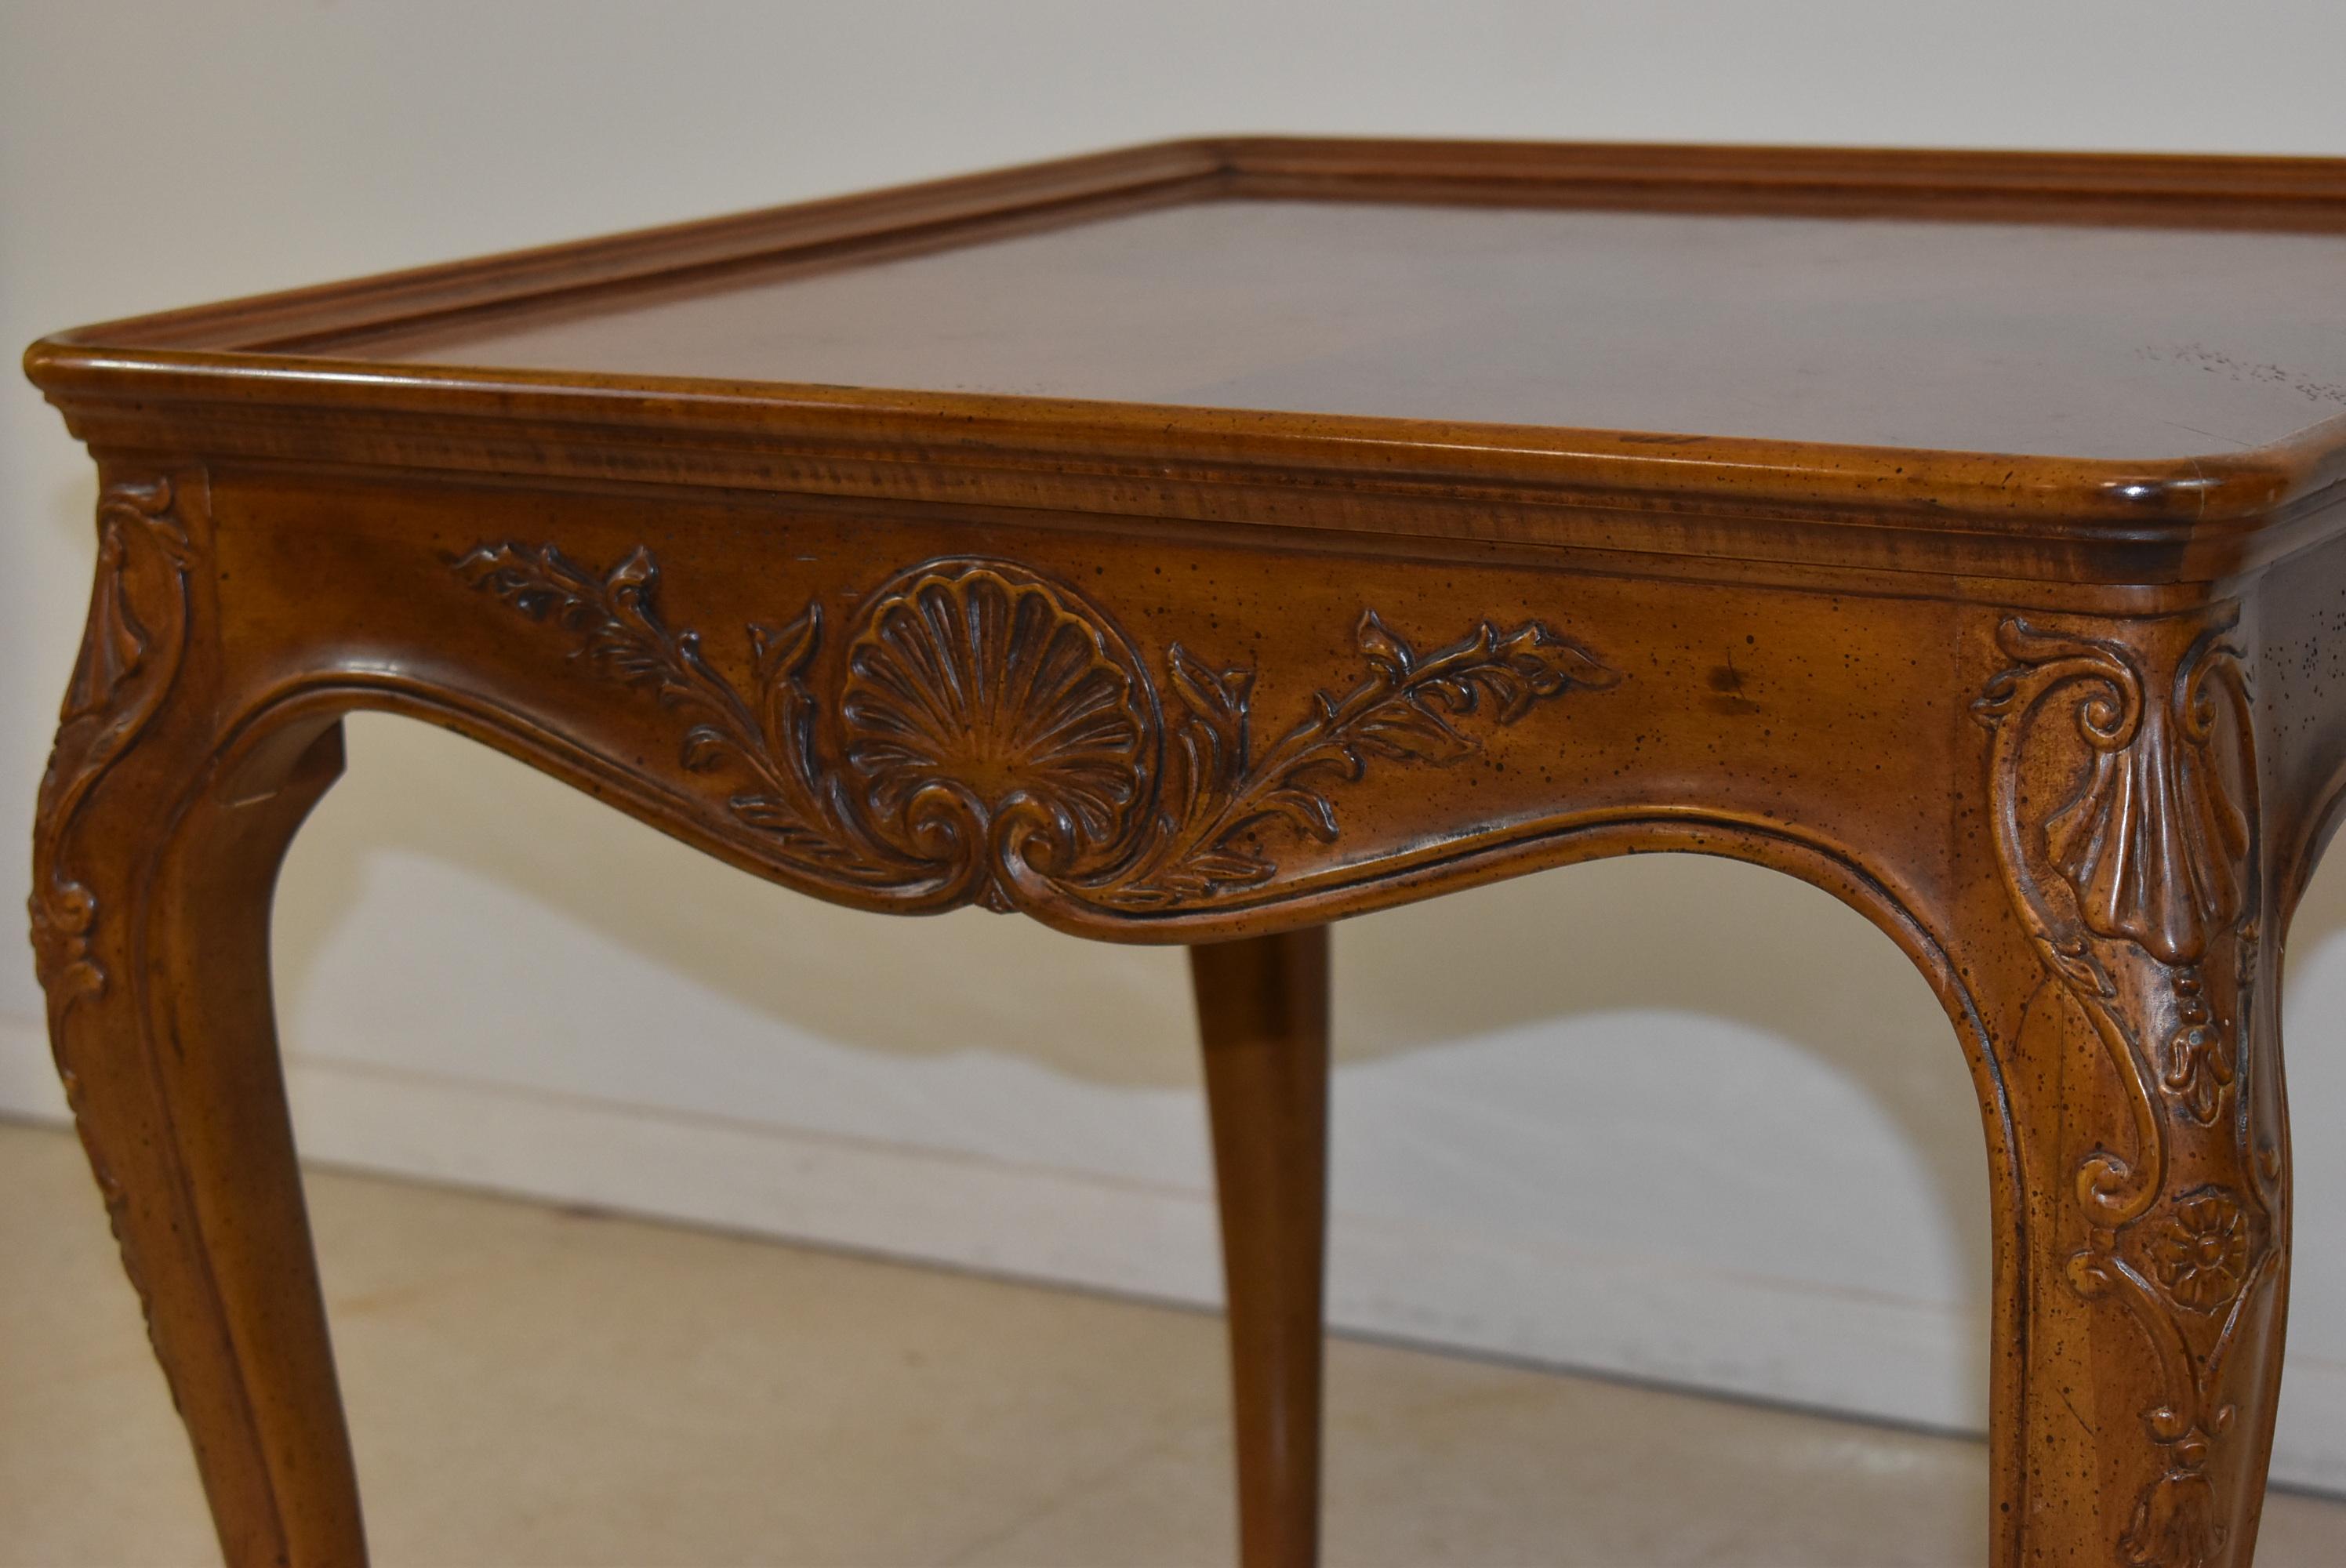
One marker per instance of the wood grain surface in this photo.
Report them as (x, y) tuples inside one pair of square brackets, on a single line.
[(1826, 510)]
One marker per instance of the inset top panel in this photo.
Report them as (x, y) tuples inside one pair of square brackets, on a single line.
[(2084, 341)]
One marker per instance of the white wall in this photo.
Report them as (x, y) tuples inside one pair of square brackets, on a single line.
[(1589, 1118)]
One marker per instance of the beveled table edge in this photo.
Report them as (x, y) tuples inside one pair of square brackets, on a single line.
[(255, 377)]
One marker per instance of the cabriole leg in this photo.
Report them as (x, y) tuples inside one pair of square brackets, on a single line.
[(153, 873), (2131, 998)]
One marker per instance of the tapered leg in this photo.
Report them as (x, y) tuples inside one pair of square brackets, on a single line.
[(2130, 997), (154, 864), (1263, 1010)]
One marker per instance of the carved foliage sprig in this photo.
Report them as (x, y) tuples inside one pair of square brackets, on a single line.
[(1403, 711), (1000, 740), (622, 637)]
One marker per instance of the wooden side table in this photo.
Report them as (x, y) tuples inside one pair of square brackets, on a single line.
[(1201, 542)]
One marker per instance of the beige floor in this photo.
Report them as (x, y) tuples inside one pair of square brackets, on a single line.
[(533, 1386)]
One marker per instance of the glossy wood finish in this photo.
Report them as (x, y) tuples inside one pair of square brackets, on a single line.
[(184, 1118), (1262, 1012), (2064, 720), (2104, 343)]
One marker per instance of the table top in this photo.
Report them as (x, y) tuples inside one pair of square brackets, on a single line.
[(2142, 339), (2104, 343)]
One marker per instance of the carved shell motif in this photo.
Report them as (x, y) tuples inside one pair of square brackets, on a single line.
[(981, 682), (2151, 848), (2152, 845), (999, 741)]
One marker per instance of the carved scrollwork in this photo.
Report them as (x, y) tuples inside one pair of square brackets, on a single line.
[(130, 653), (990, 735), (132, 646), (2127, 841)]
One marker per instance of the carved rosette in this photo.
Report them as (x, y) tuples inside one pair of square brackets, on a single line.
[(2124, 775), (989, 735)]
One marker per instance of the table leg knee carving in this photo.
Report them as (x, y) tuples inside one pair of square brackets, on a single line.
[(154, 869)]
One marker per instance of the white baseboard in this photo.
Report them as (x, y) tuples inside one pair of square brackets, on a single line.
[(29, 1078), (1865, 1354)]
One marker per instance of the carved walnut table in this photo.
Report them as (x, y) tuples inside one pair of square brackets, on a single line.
[(1202, 543)]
